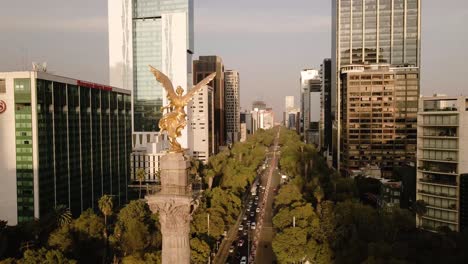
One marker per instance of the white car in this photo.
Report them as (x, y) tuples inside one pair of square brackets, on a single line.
[(241, 227), (243, 260), (253, 225), (258, 210)]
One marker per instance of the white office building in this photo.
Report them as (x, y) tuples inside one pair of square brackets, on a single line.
[(202, 125), (442, 161)]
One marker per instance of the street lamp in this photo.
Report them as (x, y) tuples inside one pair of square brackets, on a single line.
[(248, 242)]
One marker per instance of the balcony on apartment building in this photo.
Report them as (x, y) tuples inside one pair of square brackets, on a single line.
[(436, 167), (438, 180)]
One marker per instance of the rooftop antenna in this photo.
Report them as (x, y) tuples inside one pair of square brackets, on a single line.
[(39, 67)]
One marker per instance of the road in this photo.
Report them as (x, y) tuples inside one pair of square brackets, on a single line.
[(258, 211), (264, 253)]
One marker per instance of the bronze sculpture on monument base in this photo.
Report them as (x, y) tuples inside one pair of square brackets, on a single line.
[(174, 201), (174, 121)]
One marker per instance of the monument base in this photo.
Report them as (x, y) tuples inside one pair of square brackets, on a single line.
[(174, 205)]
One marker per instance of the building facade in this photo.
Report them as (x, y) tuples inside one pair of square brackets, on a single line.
[(203, 67), (308, 76), (148, 149), (442, 160), (262, 119), (372, 32), (326, 117), (150, 32), (288, 106), (64, 142), (232, 100), (246, 118), (379, 112), (203, 128)]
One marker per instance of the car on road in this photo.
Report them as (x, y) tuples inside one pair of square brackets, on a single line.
[(241, 227), (244, 232), (256, 203), (257, 210), (256, 197), (243, 260), (245, 217), (253, 225), (231, 249), (240, 243), (252, 214)]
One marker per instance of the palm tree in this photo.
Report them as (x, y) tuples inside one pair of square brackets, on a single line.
[(140, 173), (106, 205), (420, 208), (62, 215), (319, 195)]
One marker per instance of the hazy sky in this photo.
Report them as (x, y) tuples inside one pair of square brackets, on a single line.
[(268, 41)]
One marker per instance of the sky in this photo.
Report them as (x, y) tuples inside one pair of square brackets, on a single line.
[(267, 41)]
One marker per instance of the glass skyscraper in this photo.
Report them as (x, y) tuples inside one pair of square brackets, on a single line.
[(375, 32), (150, 32), (64, 142)]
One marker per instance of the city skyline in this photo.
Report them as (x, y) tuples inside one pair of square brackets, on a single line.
[(61, 31)]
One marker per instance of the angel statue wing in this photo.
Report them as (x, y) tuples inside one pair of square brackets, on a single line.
[(165, 82), (198, 87)]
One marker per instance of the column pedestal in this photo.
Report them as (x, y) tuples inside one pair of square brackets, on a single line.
[(174, 205)]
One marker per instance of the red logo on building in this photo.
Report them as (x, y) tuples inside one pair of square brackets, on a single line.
[(2, 106)]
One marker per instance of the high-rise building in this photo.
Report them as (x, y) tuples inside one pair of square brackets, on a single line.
[(326, 118), (232, 105), (289, 102), (202, 129), (260, 105), (442, 161), (371, 32), (379, 108), (262, 119), (64, 142), (246, 117), (310, 103), (150, 32), (203, 67), (288, 106)]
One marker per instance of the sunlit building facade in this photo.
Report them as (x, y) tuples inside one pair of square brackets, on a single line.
[(371, 32), (203, 67), (232, 103), (379, 113)]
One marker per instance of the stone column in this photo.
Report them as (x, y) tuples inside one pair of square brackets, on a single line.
[(174, 204)]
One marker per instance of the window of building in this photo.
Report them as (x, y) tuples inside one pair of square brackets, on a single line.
[(2, 86)]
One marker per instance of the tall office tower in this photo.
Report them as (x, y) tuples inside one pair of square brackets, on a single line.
[(442, 161), (289, 102), (64, 142), (326, 117), (202, 129), (150, 32), (203, 67), (260, 105), (232, 105), (310, 104), (246, 117), (377, 103), (372, 32), (288, 106), (262, 119)]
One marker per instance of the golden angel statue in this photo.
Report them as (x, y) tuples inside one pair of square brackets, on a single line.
[(174, 121)]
